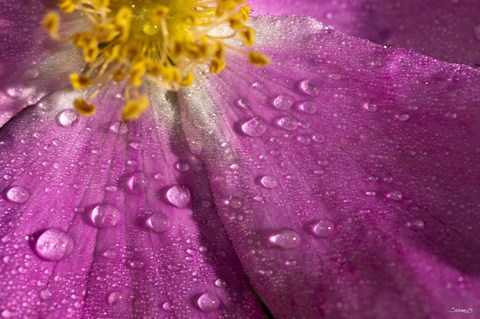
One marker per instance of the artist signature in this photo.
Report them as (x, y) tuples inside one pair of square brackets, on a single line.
[(461, 310)]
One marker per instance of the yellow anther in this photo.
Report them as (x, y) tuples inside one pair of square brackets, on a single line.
[(83, 107), (236, 21), (245, 11), (67, 6), (258, 59), (51, 22), (248, 36), (159, 13), (136, 73), (90, 53), (119, 75), (112, 52), (79, 82), (134, 108), (187, 80), (217, 66), (123, 17), (104, 32), (155, 69), (101, 3), (171, 74)]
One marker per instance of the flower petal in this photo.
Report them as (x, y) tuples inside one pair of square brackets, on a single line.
[(104, 220), (31, 64), (346, 174), (447, 30)]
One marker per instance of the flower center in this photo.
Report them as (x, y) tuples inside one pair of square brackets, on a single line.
[(160, 41)]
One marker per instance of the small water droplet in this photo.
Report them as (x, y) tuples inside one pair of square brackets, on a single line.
[(31, 73), (287, 123), (285, 239), (136, 183), (234, 202), (182, 166), (67, 118), (17, 194), (45, 294), (402, 117), (135, 263), (322, 228), (220, 283), (158, 222), (110, 253), (369, 106), (283, 102), (269, 181), (178, 196), (7, 314), (243, 102), (104, 215), (115, 297), (167, 306), (120, 128), (53, 244), (137, 146), (208, 302), (309, 88), (416, 224), (395, 195), (254, 127), (308, 107)]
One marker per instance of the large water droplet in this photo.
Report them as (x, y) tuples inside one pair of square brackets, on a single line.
[(309, 88), (254, 127), (53, 244), (182, 166), (136, 183), (157, 222), (285, 239), (17, 194), (67, 118), (283, 102), (208, 302), (104, 215), (323, 228), (178, 196), (308, 107), (287, 123), (167, 306), (269, 181)]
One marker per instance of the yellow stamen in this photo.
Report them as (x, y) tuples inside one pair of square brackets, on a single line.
[(162, 41)]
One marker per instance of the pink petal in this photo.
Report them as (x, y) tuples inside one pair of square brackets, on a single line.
[(444, 29), (345, 174), (88, 230)]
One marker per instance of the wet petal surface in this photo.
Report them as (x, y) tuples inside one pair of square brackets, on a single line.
[(345, 174)]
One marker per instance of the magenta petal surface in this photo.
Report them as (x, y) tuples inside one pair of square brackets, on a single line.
[(31, 64), (346, 174), (89, 228), (444, 29)]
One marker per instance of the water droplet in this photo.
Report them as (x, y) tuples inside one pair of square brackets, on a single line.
[(17, 194), (220, 283), (395, 195), (31, 73), (287, 123), (45, 294), (120, 128), (7, 314), (208, 302), (178, 196), (182, 166), (110, 253), (254, 127), (53, 244), (283, 102), (285, 239), (135, 263), (167, 306), (243, 103), (402, 117), (476, 31), (157, 222), (67, 118), (234, 202), (308, 107), (269, 181), (416, 224), (323, 228), (115, 297), (309, 88), (136, 146), (104, 215), (369, 106), (136, 183)]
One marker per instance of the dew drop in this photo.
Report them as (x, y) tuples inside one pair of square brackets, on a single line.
[(208, 302), (395, 195), (67, 118), (243, 103), (369, 106), (269, 181), (17, 194), (322, 228), (136, 146), (308, 107), (178, 196), (115, 297), (283, 102), (7, 314), (135, 183), (104, 215), (167, 306), (182, 166), (135, 263), (416, 224), (220, 283), (254, 127), (234, 202), (53, 244), (31, 73), (158, 222), (476, 32), (45, 294), (402, 117), (120, 128), (287, 123), (285, 239), (309, 88)]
